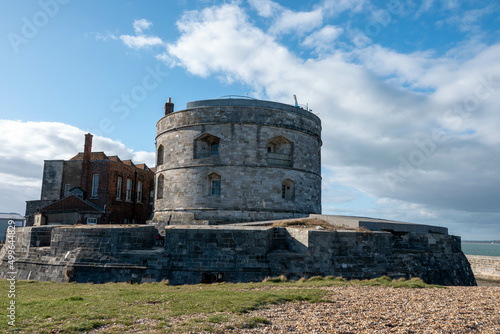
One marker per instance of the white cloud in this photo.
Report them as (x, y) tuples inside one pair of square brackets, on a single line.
[(265, 8), (324, 38), (468, 21), (297, 22), (25, 146), (104, 37), (139, 42), (141, 25), (379, 108), (336, 7)]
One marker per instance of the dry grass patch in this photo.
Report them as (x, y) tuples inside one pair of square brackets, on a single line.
[(313, 224)]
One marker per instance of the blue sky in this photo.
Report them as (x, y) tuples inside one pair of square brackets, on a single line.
[(408, 91)]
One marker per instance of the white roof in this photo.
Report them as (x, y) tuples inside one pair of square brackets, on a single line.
[(11, 215)]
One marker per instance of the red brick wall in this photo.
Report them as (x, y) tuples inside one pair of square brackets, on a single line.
[(121, 209)]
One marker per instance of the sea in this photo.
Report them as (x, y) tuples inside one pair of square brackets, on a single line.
[(484, 249)]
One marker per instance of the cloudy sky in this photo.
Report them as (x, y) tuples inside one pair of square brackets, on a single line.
[(408, 91)]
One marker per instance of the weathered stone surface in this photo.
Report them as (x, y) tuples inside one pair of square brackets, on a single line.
[(485, 267), (193, 254), (251, 177)]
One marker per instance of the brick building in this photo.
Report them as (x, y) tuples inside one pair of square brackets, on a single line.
[(93, 188)]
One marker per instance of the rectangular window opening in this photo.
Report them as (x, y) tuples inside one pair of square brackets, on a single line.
[(214, 148), (139, 191), (128, 195), (95, 185), (67, 188), (91, 221), (215, 187), (119, 188)]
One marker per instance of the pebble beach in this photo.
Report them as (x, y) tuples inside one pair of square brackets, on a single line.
[(388, 310)]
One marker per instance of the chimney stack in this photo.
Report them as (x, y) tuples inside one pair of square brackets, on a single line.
[(87, 148), (87, 153), (169, 107)]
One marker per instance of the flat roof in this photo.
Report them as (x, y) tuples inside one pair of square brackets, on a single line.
[(253, 103)]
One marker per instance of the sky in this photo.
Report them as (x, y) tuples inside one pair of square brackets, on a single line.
[(408, 92)]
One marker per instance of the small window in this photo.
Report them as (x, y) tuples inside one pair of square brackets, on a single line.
[(151, 196), (67, 188), (206, 146), (288, 190), (214, 184), (216, 187), (214, 148), (95, 185), (139, 191), (128, 195), (125, 221), (91, 221), (119, 188), (159, 187), (280, 152), (159, 155)]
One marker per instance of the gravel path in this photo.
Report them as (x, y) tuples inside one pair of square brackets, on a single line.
[(387, 310)]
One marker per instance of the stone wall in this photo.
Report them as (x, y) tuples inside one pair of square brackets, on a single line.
[(485, 267), (52, 180), (195, 254)]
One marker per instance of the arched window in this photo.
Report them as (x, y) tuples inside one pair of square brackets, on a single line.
[(280, 152), (206, 146), (288, 190), (159, 186), (159, 155), (214, 184)]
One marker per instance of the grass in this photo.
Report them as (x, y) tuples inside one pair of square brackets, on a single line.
[(45, 307)]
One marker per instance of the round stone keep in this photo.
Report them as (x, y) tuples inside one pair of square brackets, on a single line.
[(236, 160)]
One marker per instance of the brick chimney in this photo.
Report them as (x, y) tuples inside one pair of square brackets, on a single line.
[(87, 153), (169, 107)]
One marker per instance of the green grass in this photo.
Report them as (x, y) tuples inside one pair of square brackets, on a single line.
[(42, 307)]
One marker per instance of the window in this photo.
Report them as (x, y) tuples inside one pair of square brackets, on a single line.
[(159, 155), (279, 152), (67, 188), (95, 185), (91, 221), (125, 221), (159, 187), (288, 190), (119, 188), (128, 195), (151, 196), (214, 184), (139, 191), (214, 148), (206, 146)]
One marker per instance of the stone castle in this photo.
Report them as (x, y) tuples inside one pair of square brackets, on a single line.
[(238, 198), (235, 160)]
